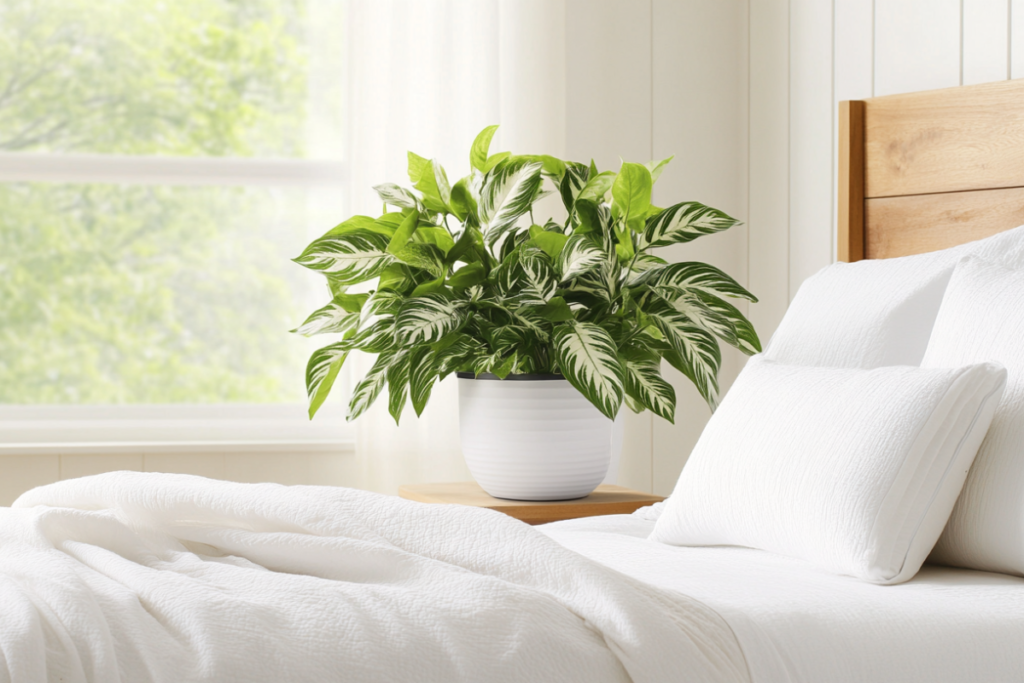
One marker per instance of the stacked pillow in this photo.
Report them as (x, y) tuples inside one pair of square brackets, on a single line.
[(825, 450)]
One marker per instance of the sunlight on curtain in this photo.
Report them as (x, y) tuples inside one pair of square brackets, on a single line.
[(426, 76)]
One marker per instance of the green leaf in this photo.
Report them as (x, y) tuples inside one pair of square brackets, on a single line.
[(467, 276), (383, 302), (339, 316), (597, 187), (321, 371), (535, 281), (464, 199), (481, 146), (377, 337), (455, 354), (656, 167), (367, 390), (588, 358), (429, 178), (395, 278), (398, 384), (646, 386), (682, 223), (422, 375), (394, 195), (507, 195), (404, 232), (696, 276), (439, 237), (360, 222), (594, 218), (348, 258), (556, 310), (427, 319), (430, 287), (573, 182), (425, 256), (695, 352), (631, 192), (579, 256), (494, 160), (550, 242)]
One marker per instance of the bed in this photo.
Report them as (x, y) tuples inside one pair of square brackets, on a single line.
[(141, 577)]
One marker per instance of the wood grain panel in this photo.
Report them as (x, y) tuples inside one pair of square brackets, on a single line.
[(900, 226), (850, 238), (948, 140)]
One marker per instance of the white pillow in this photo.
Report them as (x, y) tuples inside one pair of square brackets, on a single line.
[(874, 313), (982, 318), (853, 470)]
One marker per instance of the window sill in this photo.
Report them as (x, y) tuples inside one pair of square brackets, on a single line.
[(295, 447)]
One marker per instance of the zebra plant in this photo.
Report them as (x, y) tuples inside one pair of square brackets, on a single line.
[(500, 293)]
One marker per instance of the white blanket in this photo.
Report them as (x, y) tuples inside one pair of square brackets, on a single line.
[(146, 577)]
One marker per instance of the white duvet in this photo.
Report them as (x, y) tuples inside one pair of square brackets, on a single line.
[(146, 577)]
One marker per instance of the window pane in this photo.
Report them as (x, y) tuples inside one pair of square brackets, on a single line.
[(186, 77), (137, 294)]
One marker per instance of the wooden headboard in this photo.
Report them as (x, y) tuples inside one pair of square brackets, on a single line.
[(930, 170)]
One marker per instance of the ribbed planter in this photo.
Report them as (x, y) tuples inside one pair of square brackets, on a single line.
[(534, 437)]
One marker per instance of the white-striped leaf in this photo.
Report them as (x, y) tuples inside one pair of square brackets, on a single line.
[(578, 256), (695, 352), (721, 319), (457, 354), (535, 281), (588, 358), (695, 276), (573, 182), (394, 195), (321, 371), (348, 258), (682, 223), (367, 390), (428, 176), (426, 319), (398, 384), (376, 337), (336, 317), (646, 386), (506, 195)]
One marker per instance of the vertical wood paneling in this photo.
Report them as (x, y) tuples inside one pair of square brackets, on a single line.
[(986, 41), (709, 144), (810, 140), (768, 249), (917, 45), (1016, 39), (19, 473), (608, 115)]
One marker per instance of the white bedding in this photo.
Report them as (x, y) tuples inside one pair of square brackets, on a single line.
[(796, 623), (143, 577)]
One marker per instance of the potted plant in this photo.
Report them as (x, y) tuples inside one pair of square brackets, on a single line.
[(577, 314)]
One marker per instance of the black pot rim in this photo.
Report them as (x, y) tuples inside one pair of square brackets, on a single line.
[(514, 378)]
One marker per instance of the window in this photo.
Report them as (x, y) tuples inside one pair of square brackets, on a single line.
[(160, 163)]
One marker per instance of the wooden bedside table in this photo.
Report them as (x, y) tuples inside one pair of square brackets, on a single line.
[(606, 500)]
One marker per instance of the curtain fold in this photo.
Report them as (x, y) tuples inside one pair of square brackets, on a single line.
[(427, 76)]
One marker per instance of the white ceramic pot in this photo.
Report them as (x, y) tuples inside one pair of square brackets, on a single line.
[(534, 437)]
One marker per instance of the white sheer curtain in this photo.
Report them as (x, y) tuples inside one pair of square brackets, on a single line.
[(426, 76)]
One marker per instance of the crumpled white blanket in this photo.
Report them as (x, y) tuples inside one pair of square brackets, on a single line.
[(155, 577)]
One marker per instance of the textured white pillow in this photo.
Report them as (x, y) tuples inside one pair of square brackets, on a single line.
[(982, 318), (853, 470), (875, 313)]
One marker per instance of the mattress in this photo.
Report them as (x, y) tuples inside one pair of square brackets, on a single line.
[(796, 623)]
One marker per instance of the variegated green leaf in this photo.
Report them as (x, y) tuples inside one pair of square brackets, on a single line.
[(682, 223), (695, 276), (398, 384), (427, 319), (645, 384), (337, 317), (506, 195), (321, 371), (348, 258), (394, 195), (578, 256), (481, 146), (588, 358), (535, 279), (376, 337), (573, 182), (367, 390), (695, 352), (721, 319), (428, 176), (457, 354), (425, 256)]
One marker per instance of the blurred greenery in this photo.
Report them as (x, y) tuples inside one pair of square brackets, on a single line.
[(151, 294)]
